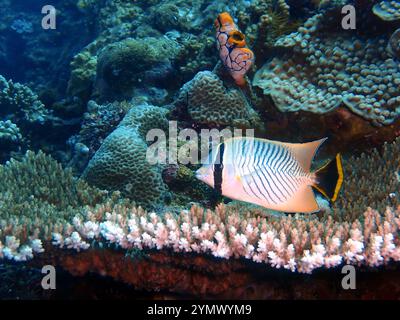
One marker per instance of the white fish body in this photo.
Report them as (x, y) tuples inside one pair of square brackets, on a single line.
[(268, 173)]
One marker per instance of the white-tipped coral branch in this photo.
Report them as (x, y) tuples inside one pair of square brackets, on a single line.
[(291, 243)]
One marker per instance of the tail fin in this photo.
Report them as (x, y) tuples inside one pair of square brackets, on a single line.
[(330, 178)]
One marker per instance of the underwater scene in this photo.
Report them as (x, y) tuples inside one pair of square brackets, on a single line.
[(199, 149)]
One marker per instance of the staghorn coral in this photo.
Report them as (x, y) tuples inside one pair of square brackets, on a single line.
[(209, 102), (38, 197), (321, 72), (121, 163), (20, 104), (387, 10)]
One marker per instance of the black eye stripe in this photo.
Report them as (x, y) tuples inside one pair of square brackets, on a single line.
[(217, 168)]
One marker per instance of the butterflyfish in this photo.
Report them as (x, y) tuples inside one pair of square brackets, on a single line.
[(272, 174)]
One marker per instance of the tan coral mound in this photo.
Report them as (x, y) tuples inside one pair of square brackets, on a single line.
[(323, 71)]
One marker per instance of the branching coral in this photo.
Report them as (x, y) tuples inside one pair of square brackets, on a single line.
[(19, 103), (9, 133), (37, 197)]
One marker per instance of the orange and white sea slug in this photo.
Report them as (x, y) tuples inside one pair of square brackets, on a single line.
[(236, 57)]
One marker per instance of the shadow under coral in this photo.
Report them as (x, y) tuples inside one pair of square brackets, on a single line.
[(106, 273)]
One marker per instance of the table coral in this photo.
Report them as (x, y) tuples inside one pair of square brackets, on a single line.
[(210, 102), (121, 161), (37, 198), (321, 72)]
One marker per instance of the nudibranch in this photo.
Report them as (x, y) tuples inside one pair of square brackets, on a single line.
[(236, 57)]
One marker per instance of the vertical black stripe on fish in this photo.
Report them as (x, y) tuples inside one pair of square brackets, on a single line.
[(218, 167)]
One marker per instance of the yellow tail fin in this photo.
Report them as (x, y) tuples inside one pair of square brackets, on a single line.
[(329, 178)]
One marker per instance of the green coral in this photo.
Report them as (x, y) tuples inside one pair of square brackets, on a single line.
[(121, 162), (83, 73), (9, 132), (122, 64), (38, 197), (20, 103)]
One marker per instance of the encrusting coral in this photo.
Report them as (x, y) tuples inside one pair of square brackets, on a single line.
[(121, 163), (387, 10), (322, 72)]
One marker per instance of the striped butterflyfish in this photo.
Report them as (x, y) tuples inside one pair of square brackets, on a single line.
[(272, 174)]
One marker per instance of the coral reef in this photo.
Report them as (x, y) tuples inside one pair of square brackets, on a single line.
[(387, 10), (324, 72), (393, 46), (130, 61), (20, 104), (37, 198), (209, 102), (372, 180), (121, 161), (9, 133)]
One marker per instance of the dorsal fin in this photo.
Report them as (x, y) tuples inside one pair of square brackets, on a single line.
[(304, 152)]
